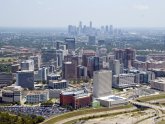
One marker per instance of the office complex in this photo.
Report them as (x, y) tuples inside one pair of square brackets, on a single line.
[(91, 40), (25, 79), (124, 80), (115, 66), (158, 84), (15, 68), (48, 55), (12, 94), (37, 61), (37, 96), (93, 64), (125, 56), (5, 79), (27, 65), (58, 84), (53, 76), (75, 99), (70, 43), (81, 72), (69, 71)]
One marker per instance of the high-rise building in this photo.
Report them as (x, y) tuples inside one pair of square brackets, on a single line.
[(101, 42), (59, 54), (90, 25), (25, 79), (15, 68), (48, 55), (86, 54), (37, 61), (41, 74), (70, 43), (27, 65), (91, 40), (69, 71), (125, 56), (80, 27), (81, 72), (115, 66), (102, 83), (45, 72), (53, 76), (5, 79), (72, 30), (93, 65), (124, 80)]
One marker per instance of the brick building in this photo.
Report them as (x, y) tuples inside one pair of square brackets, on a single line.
[(75, 99)]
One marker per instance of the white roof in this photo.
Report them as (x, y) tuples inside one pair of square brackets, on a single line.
[(111, 98)]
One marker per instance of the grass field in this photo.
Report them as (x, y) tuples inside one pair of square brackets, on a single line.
[(153, 97), (7, 59), (82, 112), (98, 116)]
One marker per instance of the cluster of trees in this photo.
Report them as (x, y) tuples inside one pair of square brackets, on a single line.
[(47, 103), (7, 118), (5, 68)]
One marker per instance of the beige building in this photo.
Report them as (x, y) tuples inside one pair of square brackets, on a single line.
[(37, 96), (158, 84), (12, 94), (102, 83)]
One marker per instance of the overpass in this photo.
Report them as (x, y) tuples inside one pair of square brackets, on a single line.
[(158, 109)]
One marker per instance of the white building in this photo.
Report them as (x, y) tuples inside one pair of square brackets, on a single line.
[(112, 100), (56, 84), (37, 61), (37, 96), (27, 65), (12, 94), (115, 66), (102, 83), (124, 80)]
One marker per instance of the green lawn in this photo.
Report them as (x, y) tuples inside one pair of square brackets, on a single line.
[(7, 59), (82, 112), (153, 97)]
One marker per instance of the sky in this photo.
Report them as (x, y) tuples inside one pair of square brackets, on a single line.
[(61, 13)]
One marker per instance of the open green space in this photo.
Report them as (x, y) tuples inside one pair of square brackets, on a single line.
[(83, 112), (153, 97), (7, 59)]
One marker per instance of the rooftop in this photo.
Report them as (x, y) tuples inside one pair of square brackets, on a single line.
[(112, 98), (36, 92), (160, 80), (57, 81)]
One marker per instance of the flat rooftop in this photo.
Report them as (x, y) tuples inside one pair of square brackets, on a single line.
[(111, 98), (160, 80)]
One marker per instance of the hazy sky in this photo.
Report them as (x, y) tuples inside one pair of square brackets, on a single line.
[(60, 13)]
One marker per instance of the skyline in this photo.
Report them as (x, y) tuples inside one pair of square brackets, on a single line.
[(55, 13)]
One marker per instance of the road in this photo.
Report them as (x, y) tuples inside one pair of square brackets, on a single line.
[(90, 115)]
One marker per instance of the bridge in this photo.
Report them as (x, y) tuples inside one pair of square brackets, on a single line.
[(158, 109)]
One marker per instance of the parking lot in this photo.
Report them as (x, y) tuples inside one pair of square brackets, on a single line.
[(39, 111)]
